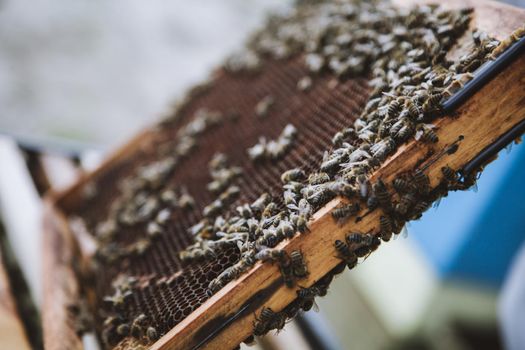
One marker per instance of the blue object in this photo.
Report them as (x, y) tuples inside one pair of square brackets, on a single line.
[(474, 236)]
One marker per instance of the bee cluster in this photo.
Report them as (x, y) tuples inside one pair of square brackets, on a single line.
[(273, 149), (403, 52)]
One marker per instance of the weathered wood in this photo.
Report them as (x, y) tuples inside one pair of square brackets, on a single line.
[(12, 335)]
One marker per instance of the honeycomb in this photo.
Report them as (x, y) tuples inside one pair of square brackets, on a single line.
[(168, 291)]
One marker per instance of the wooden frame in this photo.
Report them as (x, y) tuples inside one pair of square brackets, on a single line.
[(491, 112)]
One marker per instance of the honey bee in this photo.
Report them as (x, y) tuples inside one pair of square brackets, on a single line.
[(186, 201), (307, 297), (384, 198), (138, 325), (366, 243), (298, 264), (394, 108), (450, 176), (345, 254), (332, 164), (266, 254), (419, 208), (123, 329), (213, 209), (293, 175), (263, 106), (314, 62), (118, 299), (260, 203), (318, 178), (152, 334), (426, 133), (405, 203), (346, 211), (383, 148), (422, 181), (386, 227), (304, 84), (433, 102), (229, 195), (402, 185)]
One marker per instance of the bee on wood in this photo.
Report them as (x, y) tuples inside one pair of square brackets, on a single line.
[(418, 209), (450, 177), (331, 165), (383, 148), (298, 264), (381, 193), (290, 197), (307, 297), (366, 243), (266, 254), (345, 254), (386, 227), (426, 133), (263, 106), (433, 102), (405, 204), (293, 175), (402, 185), (422, 181), (346, 211)]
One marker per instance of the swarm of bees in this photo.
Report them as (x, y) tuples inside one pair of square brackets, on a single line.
[(404, 53)]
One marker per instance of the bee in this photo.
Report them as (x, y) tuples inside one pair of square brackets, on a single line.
[(419, 208), (318, 178), (345, 254), (287, 272), (272, 254), (186, 201), (269, 210), (298, 264), (304, 84), (300, 222), (213, 209), (229, 195), (402, 185), (450, 176), (384, 198), (258, 151), (433, 102), (245, 211), (346, 211), (383, 148), (314, 62), (386, 227), (366, 243), (422, 181), (342, 135), (268, 239), (332, 164), (293, 175), (285, 229), (218, 161), (263, 106), (151, 333), (307, 297), (405, 203), (138, 325), (118, 299), (289, 197), (123, 329), (394, 108), (426, 134), (260, 203)]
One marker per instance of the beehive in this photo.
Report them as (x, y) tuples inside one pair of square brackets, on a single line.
[(174, 296)]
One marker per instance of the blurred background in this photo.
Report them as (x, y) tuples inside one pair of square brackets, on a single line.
[(79, 78)]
